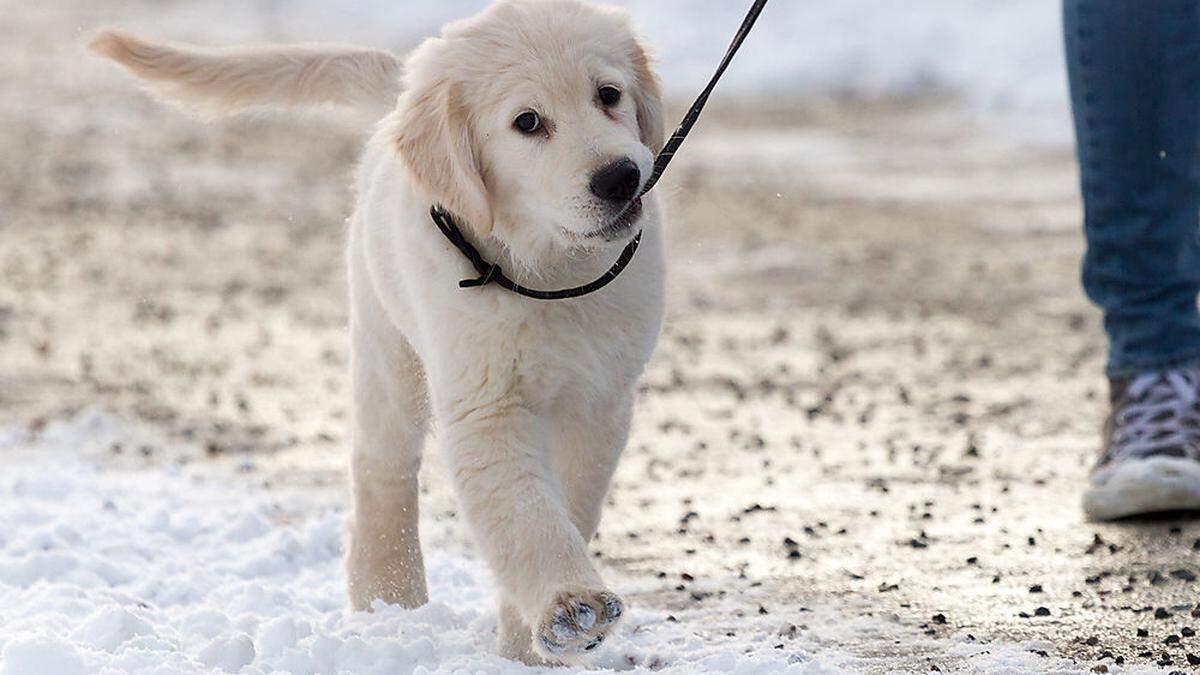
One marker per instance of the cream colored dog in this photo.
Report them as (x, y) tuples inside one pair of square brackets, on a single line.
[(535, 123)]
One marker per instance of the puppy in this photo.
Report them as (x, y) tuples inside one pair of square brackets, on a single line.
[(534, 123)]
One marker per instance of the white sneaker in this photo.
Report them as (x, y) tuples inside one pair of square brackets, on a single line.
[(1150, 461)]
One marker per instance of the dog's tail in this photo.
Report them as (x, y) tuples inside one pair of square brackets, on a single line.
[(220, 81)]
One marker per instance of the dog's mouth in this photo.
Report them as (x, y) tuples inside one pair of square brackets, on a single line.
[(620, 226)]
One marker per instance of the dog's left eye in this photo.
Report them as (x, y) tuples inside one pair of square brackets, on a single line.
[(528, 122), (609, 96)]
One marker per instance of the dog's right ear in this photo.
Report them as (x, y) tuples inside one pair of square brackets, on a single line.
[(434, 140)]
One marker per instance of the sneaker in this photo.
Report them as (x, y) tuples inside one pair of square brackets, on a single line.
[(1150, 461)]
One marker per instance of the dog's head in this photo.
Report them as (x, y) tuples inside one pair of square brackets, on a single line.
[(535, 122)]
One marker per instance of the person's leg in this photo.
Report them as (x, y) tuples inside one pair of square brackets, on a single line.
[(1134, 68), (1135, 90)]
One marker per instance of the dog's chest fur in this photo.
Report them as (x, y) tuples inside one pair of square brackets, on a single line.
[(593, 348)]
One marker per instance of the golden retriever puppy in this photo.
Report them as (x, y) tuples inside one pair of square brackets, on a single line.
[(535, 124)]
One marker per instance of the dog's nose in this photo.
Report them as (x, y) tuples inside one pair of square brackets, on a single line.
[(618, 182)]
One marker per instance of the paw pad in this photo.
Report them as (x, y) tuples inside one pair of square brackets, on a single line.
[(550, 645), (585, 616), (562, 626), (613, 607)]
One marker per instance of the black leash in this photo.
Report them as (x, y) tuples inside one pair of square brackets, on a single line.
[(490, 273)]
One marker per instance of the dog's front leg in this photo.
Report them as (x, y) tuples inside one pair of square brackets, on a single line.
[(514, 504), (383, 560)]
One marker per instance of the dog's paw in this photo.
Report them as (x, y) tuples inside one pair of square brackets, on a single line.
[(576, 623)]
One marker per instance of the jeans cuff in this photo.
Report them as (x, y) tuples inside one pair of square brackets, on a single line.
[(1121, 369)]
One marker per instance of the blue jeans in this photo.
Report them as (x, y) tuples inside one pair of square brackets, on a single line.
[(1134, 68)]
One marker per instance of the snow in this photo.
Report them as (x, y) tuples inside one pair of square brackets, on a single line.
[(106, 570)]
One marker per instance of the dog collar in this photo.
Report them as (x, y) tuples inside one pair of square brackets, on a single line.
[(491, 273)]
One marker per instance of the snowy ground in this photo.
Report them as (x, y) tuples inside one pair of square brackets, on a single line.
[(176, 571), (869, 417)]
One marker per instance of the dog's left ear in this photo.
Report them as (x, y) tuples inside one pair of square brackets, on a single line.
[(647, 96)]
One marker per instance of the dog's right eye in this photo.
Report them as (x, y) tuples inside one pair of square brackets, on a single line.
[(527, 122)]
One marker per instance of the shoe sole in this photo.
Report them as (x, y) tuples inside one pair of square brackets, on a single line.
[(1139, 487)]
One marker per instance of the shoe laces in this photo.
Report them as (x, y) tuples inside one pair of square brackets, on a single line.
[(1159, 411)]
